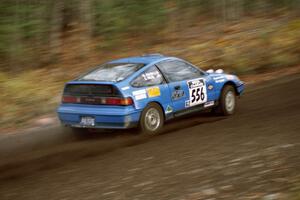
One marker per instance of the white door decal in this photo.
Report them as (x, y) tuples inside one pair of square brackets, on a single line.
[(197, 90)]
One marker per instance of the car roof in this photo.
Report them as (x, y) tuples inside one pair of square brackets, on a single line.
[(144, 59)]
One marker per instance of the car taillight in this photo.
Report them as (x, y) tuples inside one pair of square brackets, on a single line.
[(119, 101), (99, 100), (70, 99)]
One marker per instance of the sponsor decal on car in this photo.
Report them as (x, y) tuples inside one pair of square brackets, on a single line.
[(209, 103), (210, 87), (177, 94), (187, 103), (125, 88), (197, 91), (169, 109), (151, 75), (219, 79), (139, 94), (153, 92)]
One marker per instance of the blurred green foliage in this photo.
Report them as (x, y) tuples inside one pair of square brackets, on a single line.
[(29, 26), (23, 29), (133, 17)]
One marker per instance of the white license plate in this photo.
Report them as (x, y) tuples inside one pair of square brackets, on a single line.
[(87, 121)]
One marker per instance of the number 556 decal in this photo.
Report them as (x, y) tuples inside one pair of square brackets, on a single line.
[(197, 90)]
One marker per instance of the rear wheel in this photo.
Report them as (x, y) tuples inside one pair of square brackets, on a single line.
[(152, 119), (227, 103)]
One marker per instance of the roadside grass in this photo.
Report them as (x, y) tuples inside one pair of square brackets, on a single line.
[(295, 192), (295, 196), (251, 48), (28, 95), (246, 47)]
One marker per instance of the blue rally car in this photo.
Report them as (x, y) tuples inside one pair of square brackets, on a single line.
[(144, 92)]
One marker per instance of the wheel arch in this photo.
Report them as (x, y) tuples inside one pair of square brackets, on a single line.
[(230, 83)]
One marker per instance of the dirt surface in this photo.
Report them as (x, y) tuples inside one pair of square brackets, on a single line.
[(251, 155)]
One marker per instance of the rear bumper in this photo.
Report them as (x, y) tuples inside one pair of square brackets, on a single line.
[(106, 117)]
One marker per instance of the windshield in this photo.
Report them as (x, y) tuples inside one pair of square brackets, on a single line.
[(112, 72)]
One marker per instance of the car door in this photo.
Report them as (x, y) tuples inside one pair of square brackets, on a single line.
[(188, 85), (150, 86)]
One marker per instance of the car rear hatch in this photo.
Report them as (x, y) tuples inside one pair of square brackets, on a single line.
[(94, 94)]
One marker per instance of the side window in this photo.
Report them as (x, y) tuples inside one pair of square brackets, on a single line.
[(150, 77), (178, 71)]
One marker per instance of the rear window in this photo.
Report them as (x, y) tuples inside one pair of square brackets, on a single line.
[(112, 72), (90, 90)]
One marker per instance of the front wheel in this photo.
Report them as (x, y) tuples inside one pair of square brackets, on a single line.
[(227, 103), (152, 119)]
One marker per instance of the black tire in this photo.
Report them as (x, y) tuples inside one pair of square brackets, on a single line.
[(223, 107), (151, 113)]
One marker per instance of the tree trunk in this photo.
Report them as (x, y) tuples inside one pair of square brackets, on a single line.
[(16, 46), (296, 8), (56, 30), (86, 19)]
